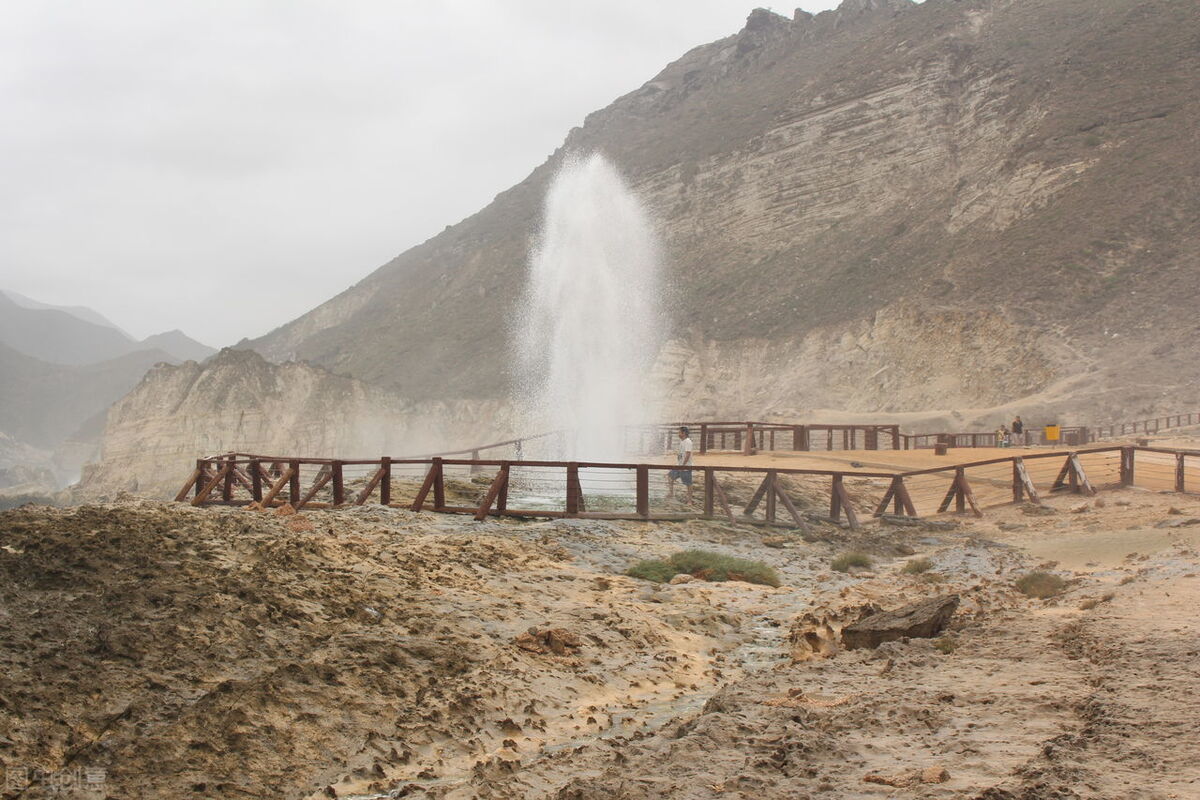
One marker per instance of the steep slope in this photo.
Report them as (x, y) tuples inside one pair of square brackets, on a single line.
[(879, 208)]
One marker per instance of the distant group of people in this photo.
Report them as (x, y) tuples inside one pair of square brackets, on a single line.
[(1013, 436)]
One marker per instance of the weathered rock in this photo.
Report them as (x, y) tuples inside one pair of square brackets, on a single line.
[(557, 641), (909, 777), (682, 577), (1079, 508), (934, 775), (1178, 522), (919, 620)]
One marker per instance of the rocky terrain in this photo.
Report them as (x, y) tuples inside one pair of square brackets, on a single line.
[(880, 208), (156, 650)]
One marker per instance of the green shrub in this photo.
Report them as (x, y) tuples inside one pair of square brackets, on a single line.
[(707, 566), (946, 644), (845, 561), (652, 570), (1040, 585), (916, 566)]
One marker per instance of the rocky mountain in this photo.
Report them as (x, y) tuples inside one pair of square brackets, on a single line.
[(970, 204), (79, 335), (239, 401)]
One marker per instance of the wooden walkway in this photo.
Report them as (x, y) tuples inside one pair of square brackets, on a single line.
[(761, 494)]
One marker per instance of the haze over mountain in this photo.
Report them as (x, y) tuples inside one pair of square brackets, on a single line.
[(79, 335), (60, 370), (953, 208), (80, 312)]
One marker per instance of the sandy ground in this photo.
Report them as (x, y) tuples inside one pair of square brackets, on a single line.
[(163, 651)]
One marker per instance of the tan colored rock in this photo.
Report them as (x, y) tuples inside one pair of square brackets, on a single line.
[(936, 774), (682, 577), (556, 641)]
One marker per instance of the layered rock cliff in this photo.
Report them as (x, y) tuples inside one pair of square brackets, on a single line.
[(237, 401), (877, 208)]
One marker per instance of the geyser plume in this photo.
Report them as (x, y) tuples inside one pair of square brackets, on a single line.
[(591, 321)]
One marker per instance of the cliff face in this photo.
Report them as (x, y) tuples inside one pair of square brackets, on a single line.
[(237, 401), (891, 205)]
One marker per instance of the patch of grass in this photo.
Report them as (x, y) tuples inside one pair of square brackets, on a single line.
[(916, 566), (707, 566), (946, 644), (933, 577), (652, 570), (1092, 602), (846, 561), (1040, 584)]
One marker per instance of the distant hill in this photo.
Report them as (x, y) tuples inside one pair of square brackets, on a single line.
[(178, 344), (43, 404), (79, 335), (59, 337), (887, 207), (80, 312)]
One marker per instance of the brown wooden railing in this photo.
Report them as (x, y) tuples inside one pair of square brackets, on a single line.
[(589, 490), (638, 491)]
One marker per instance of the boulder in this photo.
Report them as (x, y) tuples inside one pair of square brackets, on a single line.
[(557, 641), (682, 577), (921, 620)]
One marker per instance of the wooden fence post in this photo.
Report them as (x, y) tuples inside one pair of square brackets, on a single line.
[(439, 485), (339, 486), (839, 502), (643, 491), (1180, 474), (256, 480), (574, 491), (748, 444), (703, 438), (227, 488), (385, 486), (709, 493), (1022, 484), (1126, 465), (771, 478)]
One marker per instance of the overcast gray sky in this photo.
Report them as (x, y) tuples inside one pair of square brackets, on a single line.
[(222, 166)]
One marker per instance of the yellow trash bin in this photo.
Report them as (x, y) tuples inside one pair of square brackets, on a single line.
[(1053, 432)]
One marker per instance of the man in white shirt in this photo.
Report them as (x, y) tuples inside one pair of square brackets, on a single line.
[(683, 457)]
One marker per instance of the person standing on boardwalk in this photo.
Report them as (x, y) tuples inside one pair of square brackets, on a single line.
[(683, 458), (1018, 432)]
